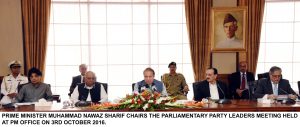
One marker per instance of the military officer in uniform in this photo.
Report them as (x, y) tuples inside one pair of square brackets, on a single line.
[(10, 83), (175, 83)]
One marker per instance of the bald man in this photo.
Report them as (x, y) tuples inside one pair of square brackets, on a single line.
[(238, 82), (90, 91)]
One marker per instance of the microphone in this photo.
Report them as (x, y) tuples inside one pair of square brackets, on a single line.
[(224, 100), (143, 89), (287, 100), (154, 88)]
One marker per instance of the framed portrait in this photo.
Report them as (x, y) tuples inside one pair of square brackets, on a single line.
[(228, 30)]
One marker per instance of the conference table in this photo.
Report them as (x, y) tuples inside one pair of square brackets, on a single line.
[(235, 106)]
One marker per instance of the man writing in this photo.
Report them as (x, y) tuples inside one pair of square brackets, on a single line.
[(273, 86)]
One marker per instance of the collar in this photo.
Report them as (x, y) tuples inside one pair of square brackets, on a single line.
[(36, 85), (89, 87), (231, 39), (174, 75), (242, 73)]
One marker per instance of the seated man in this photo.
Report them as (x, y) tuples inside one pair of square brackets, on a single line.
[(150, 83), (238, 82), (90, 91), (35, 89), (78, 79), (10, 83), (273, 86), (211, 88), (175, 83)]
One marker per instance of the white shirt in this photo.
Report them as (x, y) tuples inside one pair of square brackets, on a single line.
[(82, 79), (10, 84), (75, 94), (230, 43), (273, 86), (213, 89)]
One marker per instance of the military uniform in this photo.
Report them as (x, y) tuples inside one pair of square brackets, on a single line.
[(10, 83), (175, 85)]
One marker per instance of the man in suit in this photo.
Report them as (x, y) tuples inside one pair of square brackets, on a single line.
[(90, 90), (150, 84), (238, 82), (78, 79), (273, 86), (210, 88)]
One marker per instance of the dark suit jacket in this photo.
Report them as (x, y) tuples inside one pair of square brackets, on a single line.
[(235, 82), (265, 87), (201, 90), (76, 80)]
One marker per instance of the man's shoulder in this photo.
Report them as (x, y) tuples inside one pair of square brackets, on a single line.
[(235, 73), (157, 81), (250, 73), (78, 76), (180, 75), (263, 81), (284, 81), (201, 83)]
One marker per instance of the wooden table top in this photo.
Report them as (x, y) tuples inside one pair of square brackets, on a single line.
[(235, 106)]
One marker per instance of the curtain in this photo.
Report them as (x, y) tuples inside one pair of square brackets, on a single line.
[(35, 19), (255, 18), (198, 22)]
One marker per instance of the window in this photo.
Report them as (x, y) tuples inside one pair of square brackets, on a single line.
[(279, 41), (117, 39)]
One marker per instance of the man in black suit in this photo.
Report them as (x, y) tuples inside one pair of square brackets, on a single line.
[(274, 85), (210, 88), (78, 79), (238, 82)]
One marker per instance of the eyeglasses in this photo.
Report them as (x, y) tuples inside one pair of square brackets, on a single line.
[(276, 76)]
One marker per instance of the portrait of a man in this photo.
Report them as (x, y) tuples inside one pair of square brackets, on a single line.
[(228, 30), (230, 27)]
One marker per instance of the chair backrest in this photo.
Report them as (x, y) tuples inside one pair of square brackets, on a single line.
[(263, 75), (132, 85), (252, 87), (195, 87), (299, 87)]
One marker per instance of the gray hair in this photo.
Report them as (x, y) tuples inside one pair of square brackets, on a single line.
[(274, 68)]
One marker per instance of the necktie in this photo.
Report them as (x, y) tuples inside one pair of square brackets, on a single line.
[(243, 84), (275, 90)]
